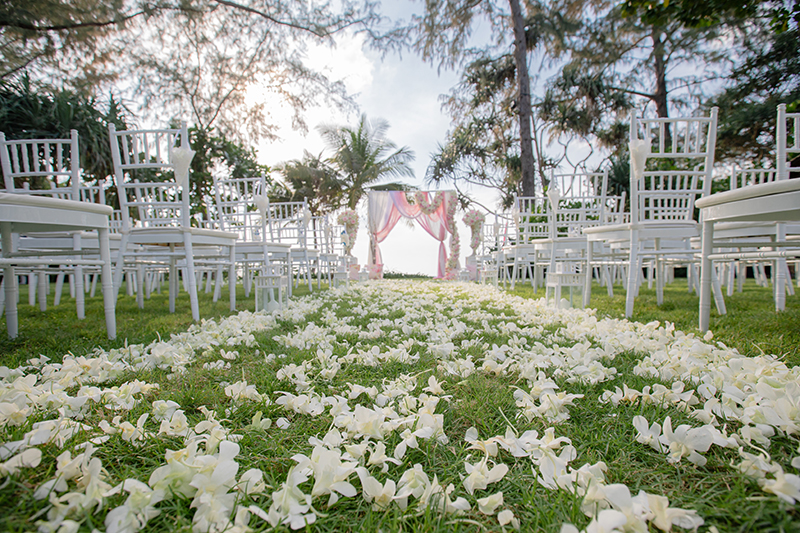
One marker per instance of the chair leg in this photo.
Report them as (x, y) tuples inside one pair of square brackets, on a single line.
[(140, 291), (32, 285), (232, 278), (706, 268), (779, 284), (634, 272), (107, 285), (788, 275), (41, 281), (246, 282), (209, 280), (731, 278), (658, 266), (11, 290), (93, 286), (173, 279), (514, 273), (143, 281), (217, 283), (118, 268), (59, 289), (190, 274), (79, 292), (715, 286), (587, 282)]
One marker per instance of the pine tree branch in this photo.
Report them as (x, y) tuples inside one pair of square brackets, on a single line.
[(631, 91), (72, 26), (318, 30)]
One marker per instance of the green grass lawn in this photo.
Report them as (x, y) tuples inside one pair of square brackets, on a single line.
[(57, 331), (482, 347)]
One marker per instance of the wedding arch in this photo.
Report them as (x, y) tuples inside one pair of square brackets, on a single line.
[(436, 216)]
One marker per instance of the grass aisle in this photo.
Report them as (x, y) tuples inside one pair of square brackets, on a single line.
[(400, 406)]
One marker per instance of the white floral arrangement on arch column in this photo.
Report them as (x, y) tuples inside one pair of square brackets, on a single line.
[(349, 219), (474, 220)]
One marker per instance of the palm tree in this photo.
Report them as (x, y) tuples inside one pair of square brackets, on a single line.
[(364, 155)]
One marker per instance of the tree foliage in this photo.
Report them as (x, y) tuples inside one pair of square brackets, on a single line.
[(311, 178), (443, 34), (482, 148), (694, 14), (768, 75), (619, 60), (217, 155), (495, 140), (176, 57)]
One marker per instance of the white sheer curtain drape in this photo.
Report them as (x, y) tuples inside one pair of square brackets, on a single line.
[(386, 208)]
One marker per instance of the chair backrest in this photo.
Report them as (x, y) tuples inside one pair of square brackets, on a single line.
[(334, 234), (788, 141), (316, 237), (143, 171), (55, 162), (680, 155), (286, 222), (237, 207), (583, 203), (531, 218), (493, 235)]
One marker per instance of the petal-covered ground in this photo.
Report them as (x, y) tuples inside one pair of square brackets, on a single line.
[(404, 405)]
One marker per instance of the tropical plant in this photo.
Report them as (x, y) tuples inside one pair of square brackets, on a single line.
[(363, 155), (26, 112), (311, 178), (216, 154)]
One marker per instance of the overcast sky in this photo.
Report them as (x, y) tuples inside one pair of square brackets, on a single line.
[(404, 91)]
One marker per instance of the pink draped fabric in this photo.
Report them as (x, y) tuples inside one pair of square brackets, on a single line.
[(386, 208)]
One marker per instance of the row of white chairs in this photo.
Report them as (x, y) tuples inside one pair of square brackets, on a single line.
[(578, 231), (155, 234)]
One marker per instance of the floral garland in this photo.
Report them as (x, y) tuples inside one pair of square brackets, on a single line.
[(348, 218), (428, 208), (474, 219), (451, 267)]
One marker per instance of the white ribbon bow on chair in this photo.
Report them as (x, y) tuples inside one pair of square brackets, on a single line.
[(262, 203), (554, 195), (181, 159), (639, 151)]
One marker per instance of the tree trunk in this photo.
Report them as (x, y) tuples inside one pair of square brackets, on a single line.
[(523, 100), (660, 94), (660, 68)]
